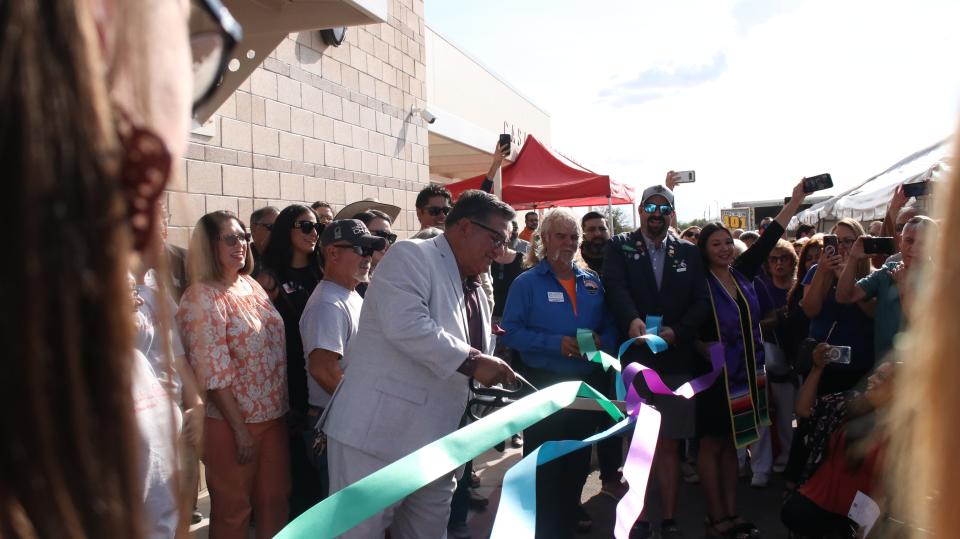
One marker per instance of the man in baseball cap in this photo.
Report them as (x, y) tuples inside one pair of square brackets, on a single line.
[(651, 276), (351, 233)]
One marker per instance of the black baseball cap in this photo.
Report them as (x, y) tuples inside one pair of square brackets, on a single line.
[(353, 232)]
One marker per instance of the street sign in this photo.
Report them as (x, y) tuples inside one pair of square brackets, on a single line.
[(736, 218)]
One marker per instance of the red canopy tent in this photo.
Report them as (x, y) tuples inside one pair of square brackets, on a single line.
[(540, 178)]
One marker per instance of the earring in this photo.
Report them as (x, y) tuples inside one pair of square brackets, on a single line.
[(144, 173)]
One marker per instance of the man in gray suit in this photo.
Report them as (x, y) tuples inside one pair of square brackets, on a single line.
[(424, 330)]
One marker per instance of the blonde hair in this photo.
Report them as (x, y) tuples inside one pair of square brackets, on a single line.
[(531, 259), (863, 266), (925, 479), (202, 260)]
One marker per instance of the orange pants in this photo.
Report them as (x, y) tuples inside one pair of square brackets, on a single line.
[(262, 485)]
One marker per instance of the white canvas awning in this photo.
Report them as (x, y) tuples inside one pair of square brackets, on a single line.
[(869, 199)]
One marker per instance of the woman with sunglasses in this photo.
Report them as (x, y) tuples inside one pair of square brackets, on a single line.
[(234, 339), (290, 270), (834, 323), (739, 398), (691, 234)]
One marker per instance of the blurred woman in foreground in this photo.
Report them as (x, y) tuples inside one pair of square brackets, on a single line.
[(924, 416), (95, 102)]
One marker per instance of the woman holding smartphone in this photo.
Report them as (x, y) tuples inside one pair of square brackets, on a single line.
[(732, 412), (835, 323)]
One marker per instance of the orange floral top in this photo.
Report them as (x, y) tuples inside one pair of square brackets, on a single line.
[(236, 341)]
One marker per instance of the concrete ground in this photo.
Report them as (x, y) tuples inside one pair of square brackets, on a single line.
[(761, 506)]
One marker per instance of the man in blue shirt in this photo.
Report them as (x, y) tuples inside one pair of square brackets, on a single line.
[(545, 308)]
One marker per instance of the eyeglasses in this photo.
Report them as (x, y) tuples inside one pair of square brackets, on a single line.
[(391, 238), (357, 249), (232, 239), (774, 259), (650, 207), (437, 210), (268, 226), (693, 235), (499, 241), (213, 35), (309, 226)]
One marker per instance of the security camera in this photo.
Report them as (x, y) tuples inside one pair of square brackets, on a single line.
[(425, 114)]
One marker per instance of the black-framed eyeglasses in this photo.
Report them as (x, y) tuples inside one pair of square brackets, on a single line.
[(358, 250), (232, 239), (694, 235), (309, 226), (213, 35), (650, 207), (499, 241), (389, 236), (268, 226), (437, 210)]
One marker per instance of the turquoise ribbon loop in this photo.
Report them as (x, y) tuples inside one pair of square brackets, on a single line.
[(516, 514), (391, 484)]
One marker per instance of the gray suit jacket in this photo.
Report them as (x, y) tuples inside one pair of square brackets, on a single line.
[(401, 389)]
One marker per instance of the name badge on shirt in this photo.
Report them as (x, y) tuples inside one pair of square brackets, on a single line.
[(555, 297), (289, 288)]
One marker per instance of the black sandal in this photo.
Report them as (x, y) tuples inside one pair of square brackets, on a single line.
[(715, 529), (749, 529)]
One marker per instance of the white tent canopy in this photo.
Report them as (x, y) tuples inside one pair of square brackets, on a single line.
[(869, 199)]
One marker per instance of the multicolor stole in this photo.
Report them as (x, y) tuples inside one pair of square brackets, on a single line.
[(743, 372)]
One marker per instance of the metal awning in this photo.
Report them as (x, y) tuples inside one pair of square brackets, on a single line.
[(266, 22)]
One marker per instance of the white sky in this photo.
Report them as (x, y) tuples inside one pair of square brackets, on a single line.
[(752, 94)]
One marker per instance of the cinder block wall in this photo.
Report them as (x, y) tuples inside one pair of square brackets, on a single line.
[(316, 122)]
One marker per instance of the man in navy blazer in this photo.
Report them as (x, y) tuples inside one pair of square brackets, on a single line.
[(650, 272)]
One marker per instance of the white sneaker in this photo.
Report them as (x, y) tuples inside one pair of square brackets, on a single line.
[(760, 480)]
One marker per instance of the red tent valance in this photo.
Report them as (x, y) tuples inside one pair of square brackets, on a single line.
[(539, 178)]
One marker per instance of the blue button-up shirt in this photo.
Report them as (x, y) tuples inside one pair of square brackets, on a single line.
[(657, 252), (538, 314)]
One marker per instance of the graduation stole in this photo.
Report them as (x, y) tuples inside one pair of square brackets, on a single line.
[(743, 373)]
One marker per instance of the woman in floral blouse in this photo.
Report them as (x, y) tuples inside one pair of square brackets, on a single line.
[(234, 339)]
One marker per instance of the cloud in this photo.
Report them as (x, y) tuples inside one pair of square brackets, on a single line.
[(659, 83)]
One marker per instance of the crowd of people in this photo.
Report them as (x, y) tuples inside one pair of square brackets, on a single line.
[(298, 351), (309, 340)]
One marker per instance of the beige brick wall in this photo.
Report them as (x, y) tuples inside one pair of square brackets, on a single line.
[(315, 122)]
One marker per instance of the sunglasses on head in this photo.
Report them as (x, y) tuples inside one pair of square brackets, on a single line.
[(309, 226), (391, 238), (665, 209), (437, 210), (232, 239), (358, 250)]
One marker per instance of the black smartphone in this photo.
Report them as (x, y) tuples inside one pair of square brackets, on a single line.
[(882, 245), (917, 189), (505, 141), (817, 183), (830, 244)]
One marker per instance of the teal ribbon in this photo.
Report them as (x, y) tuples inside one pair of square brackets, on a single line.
[(391, 484), (517, 512)]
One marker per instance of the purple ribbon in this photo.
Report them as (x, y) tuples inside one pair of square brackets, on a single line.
[(636, 469)]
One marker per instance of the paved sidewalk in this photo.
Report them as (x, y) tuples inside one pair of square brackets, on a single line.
[(762, 506)]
